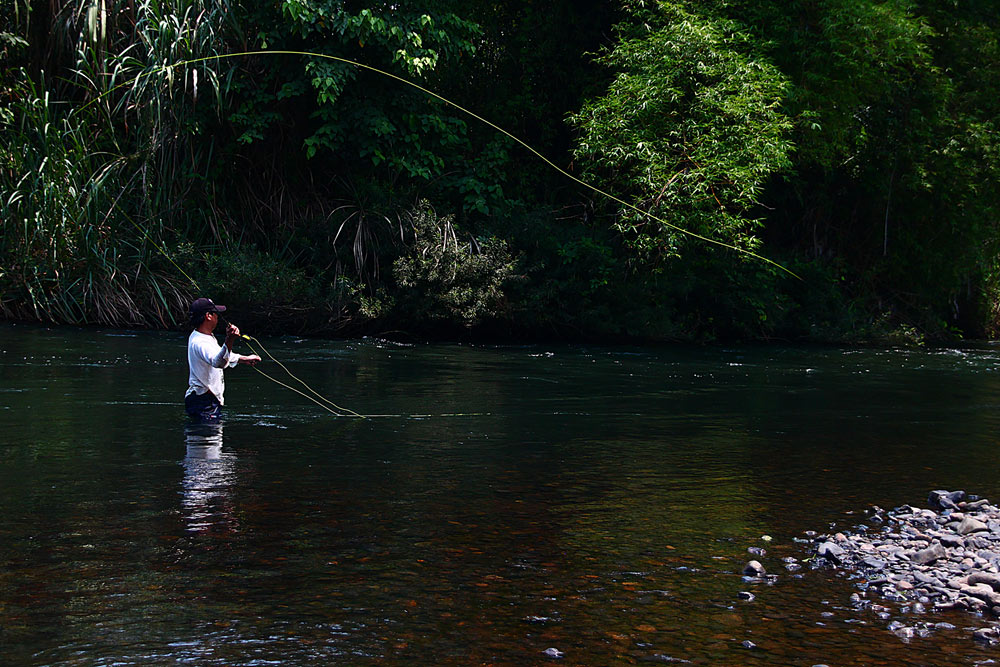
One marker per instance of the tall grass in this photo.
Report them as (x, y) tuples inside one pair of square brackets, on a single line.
[(94, 174), (67, 255), (109, 164)]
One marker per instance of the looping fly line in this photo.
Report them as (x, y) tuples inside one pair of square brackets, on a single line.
[(512, 137), (315, 396)]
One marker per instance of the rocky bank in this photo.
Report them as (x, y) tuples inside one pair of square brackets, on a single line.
[(946, 556)]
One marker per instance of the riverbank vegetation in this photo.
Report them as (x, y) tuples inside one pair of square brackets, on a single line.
[(853, 142)]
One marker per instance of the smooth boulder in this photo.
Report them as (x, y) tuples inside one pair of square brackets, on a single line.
[(970, 525)]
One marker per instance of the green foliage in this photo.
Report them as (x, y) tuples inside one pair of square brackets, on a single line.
[(67, 252), (443, 279), (261, 290), (690, 129), (856, 140), (896, 141), (357, 115)]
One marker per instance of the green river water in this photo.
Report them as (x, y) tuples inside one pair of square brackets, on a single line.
[(504, 501)]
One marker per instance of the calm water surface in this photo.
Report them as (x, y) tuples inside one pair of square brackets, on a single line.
[(504, 500)]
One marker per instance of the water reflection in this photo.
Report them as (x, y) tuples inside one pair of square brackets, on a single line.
[(209, 478), (604, 507)]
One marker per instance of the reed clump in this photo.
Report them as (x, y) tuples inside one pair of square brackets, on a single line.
[(97, 160)]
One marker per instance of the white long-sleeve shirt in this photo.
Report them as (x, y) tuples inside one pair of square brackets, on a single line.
[(206, 360)]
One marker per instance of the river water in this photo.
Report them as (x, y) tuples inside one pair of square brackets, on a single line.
[(501, 501)]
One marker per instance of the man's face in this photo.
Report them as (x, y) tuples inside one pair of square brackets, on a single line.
[(213, 319)]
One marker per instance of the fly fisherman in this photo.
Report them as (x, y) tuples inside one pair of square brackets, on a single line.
[(206, 360)]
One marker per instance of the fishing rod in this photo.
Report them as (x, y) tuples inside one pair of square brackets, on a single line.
[(431, 93)]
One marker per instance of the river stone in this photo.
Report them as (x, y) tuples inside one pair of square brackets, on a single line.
[(982, 592), (945, 500), (746, 595), (987, 635), (952, 541), (874, 563), (928, 555), (970, 525), (979, 541), (905, 632), (991, 580), (831, 551), (924, 560), (754, 569)]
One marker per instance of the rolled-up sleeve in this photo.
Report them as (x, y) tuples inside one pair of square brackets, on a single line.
[(221, 360)]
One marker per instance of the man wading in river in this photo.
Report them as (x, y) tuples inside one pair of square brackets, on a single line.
[(206, 360)]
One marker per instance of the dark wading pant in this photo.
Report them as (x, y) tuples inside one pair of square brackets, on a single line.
[(203, 407)]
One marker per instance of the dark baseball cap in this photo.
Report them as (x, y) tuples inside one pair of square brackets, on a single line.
[(203, 305)]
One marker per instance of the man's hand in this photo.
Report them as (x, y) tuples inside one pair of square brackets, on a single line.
[(250, 359), (232, 333)]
